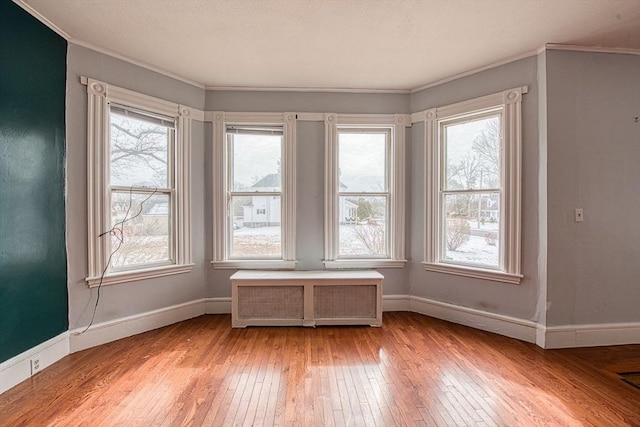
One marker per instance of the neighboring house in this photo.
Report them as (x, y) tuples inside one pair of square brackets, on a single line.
[(489, 208), (347, 209), (263, 211)]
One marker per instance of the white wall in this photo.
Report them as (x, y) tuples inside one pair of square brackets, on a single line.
[(593, 142)]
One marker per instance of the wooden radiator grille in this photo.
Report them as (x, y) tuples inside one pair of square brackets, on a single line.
[(271, 302), (345, 301)]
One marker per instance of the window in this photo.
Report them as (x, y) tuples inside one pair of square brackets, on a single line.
[(254, 213), (138, 185), (473, 185), (364, 207)]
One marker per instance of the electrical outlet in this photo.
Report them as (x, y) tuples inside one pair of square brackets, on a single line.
[(35, 365), (579, 215)]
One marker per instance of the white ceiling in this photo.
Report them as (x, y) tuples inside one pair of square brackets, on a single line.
[(339, 44)]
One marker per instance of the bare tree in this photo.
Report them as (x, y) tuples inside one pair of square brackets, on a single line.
[(372, 237), (135, 145), (458, 232), (464, 174), (487, 147)]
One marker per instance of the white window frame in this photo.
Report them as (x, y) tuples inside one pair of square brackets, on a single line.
[(396, 188), (222, 222), (99, 97), (508, 103)]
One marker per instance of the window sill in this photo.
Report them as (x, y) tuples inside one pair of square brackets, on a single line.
[(477, 273), (250, 264), (364, 263), (130, 276)]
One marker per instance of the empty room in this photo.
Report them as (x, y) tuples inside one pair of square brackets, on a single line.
[(320, 213)]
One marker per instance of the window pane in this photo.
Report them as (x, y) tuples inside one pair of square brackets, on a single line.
[(362, 159), (142, 229), (472, 153), (363, 226), (472, 229), (256, 162), (256, 229), (139, 152)]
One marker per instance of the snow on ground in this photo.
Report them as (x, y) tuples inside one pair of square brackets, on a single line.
[(476, 251), (267, 240), (264, 241)]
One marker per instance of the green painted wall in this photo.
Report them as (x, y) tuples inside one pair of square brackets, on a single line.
[(33, 263)]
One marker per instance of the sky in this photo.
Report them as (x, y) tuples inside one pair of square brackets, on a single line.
[(255, 156), (463, 135), (362, 159)]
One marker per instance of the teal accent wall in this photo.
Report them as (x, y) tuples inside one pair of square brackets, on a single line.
[(33, 261)]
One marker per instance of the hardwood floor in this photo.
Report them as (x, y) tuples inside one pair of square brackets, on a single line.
[(415, 370)]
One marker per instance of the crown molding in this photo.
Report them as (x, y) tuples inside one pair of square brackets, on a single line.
[(595, 49), (31, 11), (304, 89), (135, 62), (475, 70)]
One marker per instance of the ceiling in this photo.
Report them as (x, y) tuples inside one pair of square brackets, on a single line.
[(331, 44)]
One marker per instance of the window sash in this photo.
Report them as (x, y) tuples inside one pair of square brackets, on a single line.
[(473, 116), (386, 194), (170, 124)]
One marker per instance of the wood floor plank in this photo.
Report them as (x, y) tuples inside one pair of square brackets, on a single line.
[(413, 371)]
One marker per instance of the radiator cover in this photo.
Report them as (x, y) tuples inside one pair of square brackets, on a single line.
[(306, 298)]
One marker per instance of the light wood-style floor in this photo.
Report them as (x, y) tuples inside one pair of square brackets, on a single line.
[(415, 370)]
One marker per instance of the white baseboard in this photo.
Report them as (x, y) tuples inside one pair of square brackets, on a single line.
[(217, 305), (113, 330), (591, 335), (18, 368), (395, 303), (512, 327)]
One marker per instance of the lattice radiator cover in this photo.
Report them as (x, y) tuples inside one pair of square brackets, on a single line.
[(344, 301), (271, 302)]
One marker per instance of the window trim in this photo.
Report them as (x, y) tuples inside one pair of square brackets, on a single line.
[(99, 97), (396, 188), (510, 103), (220, 121)]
